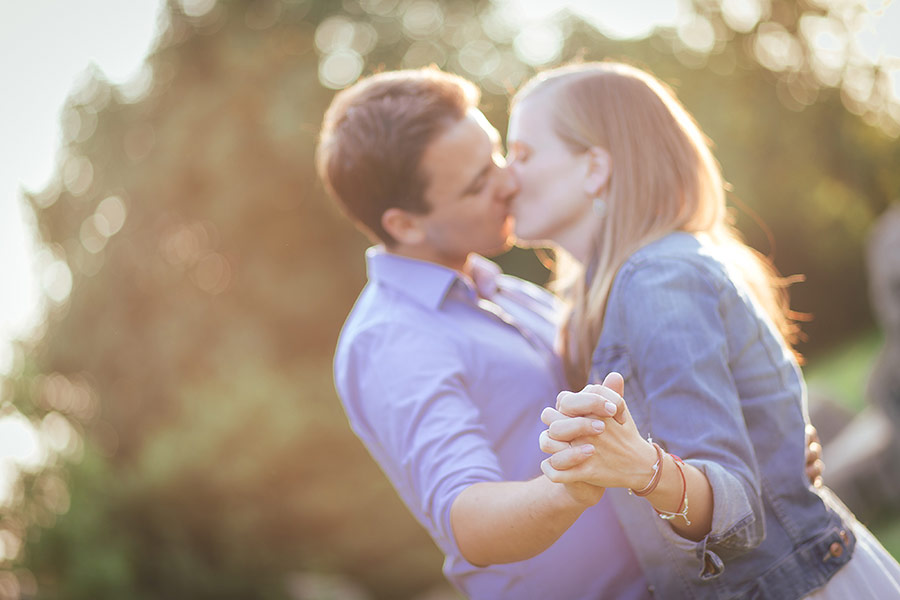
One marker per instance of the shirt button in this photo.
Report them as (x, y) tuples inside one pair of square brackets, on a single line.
[(836, 549)]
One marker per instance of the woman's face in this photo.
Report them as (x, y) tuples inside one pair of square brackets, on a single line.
[(552, 203)]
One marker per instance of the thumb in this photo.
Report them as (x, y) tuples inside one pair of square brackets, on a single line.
[(616, 383)]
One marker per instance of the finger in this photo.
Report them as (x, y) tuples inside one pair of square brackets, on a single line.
[(571, 457), (814, 472), (551, 473), (550, 415), (612, 390), (556, 475), (589, 402), (813, 453), (615, 382), (569, 429), (551, 446), (812, 435)]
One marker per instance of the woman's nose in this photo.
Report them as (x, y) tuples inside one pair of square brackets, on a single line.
[(510, 181)]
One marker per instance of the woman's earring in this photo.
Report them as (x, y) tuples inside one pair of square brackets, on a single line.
[(599, 206)]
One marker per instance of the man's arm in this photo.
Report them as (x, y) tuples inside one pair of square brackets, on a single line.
[(509, 521), (414, 412), (500, 522)]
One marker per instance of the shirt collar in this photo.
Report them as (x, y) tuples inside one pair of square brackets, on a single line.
[(485, 274), (423, 281), (426, 282)]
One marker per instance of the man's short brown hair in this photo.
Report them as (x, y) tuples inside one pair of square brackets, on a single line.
[(374, 135)]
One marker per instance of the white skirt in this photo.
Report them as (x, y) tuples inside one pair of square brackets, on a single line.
[(872, 573)]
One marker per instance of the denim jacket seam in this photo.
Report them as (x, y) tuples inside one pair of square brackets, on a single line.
[(788, 523)]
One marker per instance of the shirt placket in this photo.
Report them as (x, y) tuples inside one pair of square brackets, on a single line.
[(535, 341)]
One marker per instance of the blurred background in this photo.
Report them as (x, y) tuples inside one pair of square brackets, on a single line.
[(174, 278)]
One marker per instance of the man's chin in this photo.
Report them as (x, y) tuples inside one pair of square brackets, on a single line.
[(504, 246)]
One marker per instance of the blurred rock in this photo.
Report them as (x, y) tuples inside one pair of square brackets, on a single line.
[(884, 288), (862, 463), (828, 414), (863, 460)]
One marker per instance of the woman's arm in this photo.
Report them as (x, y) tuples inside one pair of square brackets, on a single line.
[(672, 316), (622, 458)]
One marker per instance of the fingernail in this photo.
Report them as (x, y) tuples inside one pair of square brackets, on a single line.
[(597, 425), (610, 408), (587, 449)]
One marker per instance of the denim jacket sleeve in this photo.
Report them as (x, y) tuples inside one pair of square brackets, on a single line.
[(674, 313)]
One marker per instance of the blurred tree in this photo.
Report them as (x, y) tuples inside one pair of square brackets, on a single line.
[(186, 378)]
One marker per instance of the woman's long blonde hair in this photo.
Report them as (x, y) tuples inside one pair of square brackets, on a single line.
[(664, 179)]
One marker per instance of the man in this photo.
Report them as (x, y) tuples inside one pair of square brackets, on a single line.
[(444, 364)]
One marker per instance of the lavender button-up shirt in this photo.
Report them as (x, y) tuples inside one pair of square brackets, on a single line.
[(444, 378)]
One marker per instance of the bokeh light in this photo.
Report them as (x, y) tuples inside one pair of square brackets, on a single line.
[(56, 279), (539, 44), (422, 19), (777, 49), (197, 8), (78, 174), (742, 15)]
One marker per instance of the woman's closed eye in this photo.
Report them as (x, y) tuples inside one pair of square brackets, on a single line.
[(518, 153)]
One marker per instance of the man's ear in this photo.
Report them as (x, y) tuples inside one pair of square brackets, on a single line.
[(403, 226), (599, 170)]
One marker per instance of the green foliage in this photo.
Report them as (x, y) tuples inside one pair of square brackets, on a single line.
[(193, 355), (889, 536), (844, 372)]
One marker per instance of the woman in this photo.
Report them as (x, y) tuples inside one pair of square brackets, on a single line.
[(617, 173)]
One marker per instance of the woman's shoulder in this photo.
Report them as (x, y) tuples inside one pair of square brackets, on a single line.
[(675, 256)]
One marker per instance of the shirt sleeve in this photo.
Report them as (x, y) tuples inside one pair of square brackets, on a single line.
[(675, 320), (405, 394)]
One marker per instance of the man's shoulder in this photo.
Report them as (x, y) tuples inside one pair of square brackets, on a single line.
[(382, 314)]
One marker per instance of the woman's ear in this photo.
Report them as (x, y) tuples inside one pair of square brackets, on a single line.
[(599, 170), (403, 226)]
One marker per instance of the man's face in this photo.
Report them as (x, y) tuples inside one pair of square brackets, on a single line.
[(469, 192)]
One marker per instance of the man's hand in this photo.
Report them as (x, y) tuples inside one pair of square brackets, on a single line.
[(814, 464)]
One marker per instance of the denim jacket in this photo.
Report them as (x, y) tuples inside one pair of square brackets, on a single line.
[(708, 377)]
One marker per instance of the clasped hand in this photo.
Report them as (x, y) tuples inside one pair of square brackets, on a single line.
[(592, 439)]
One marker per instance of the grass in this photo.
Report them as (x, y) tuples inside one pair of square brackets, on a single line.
[(843, 373), (888, 533)]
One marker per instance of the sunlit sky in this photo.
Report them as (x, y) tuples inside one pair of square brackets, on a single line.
[(46, 46)]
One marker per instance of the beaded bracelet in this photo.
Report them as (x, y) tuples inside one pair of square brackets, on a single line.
[(657, 474), (683, 507)]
